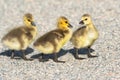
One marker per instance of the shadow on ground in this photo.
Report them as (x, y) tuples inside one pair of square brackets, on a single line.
[(62, 53), (50, 56), (17, 53), (46, 56), (82, 51)]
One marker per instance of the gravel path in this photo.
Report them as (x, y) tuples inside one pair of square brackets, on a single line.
[(106, 17)]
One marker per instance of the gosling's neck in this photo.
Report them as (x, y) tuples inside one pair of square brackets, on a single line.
[(63, 28), (90, 26)]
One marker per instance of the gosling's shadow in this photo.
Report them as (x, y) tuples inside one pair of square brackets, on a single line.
[(17, 53), (50, 56), (82, 51)]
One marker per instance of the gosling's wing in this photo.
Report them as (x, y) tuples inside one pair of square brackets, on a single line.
[(28, 32), (76, 34), (50, 37), (18, 33), (15, 33), (80, 31)]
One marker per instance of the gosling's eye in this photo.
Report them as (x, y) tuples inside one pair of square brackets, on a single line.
[(66, 22), (61, 23), (85, 19), (29, 20)]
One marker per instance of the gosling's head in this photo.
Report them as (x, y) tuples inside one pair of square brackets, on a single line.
[(63, 23), (86, 19), (28, 20)]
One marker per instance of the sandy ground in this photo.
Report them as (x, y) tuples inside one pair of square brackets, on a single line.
[(106, 17)]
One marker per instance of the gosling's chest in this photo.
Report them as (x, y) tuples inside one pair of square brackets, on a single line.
[(92, 35)]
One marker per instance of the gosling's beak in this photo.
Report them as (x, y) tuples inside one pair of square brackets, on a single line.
[(81, 22), (70, 26), (32, 23)]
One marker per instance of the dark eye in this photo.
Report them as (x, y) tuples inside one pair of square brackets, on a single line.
[(29, 20), (66, 22), (86, 19), (60, 22)]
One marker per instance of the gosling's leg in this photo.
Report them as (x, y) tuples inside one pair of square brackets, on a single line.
[(89, 55), (24, 56), (41, 58), (76, 54), (56, 59), (12, 55)]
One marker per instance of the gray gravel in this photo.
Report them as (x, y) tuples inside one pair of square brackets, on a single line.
[(106, 17)]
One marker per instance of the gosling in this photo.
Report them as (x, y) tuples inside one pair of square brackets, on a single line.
[(53, 41), (20, 38), (85, 36)]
